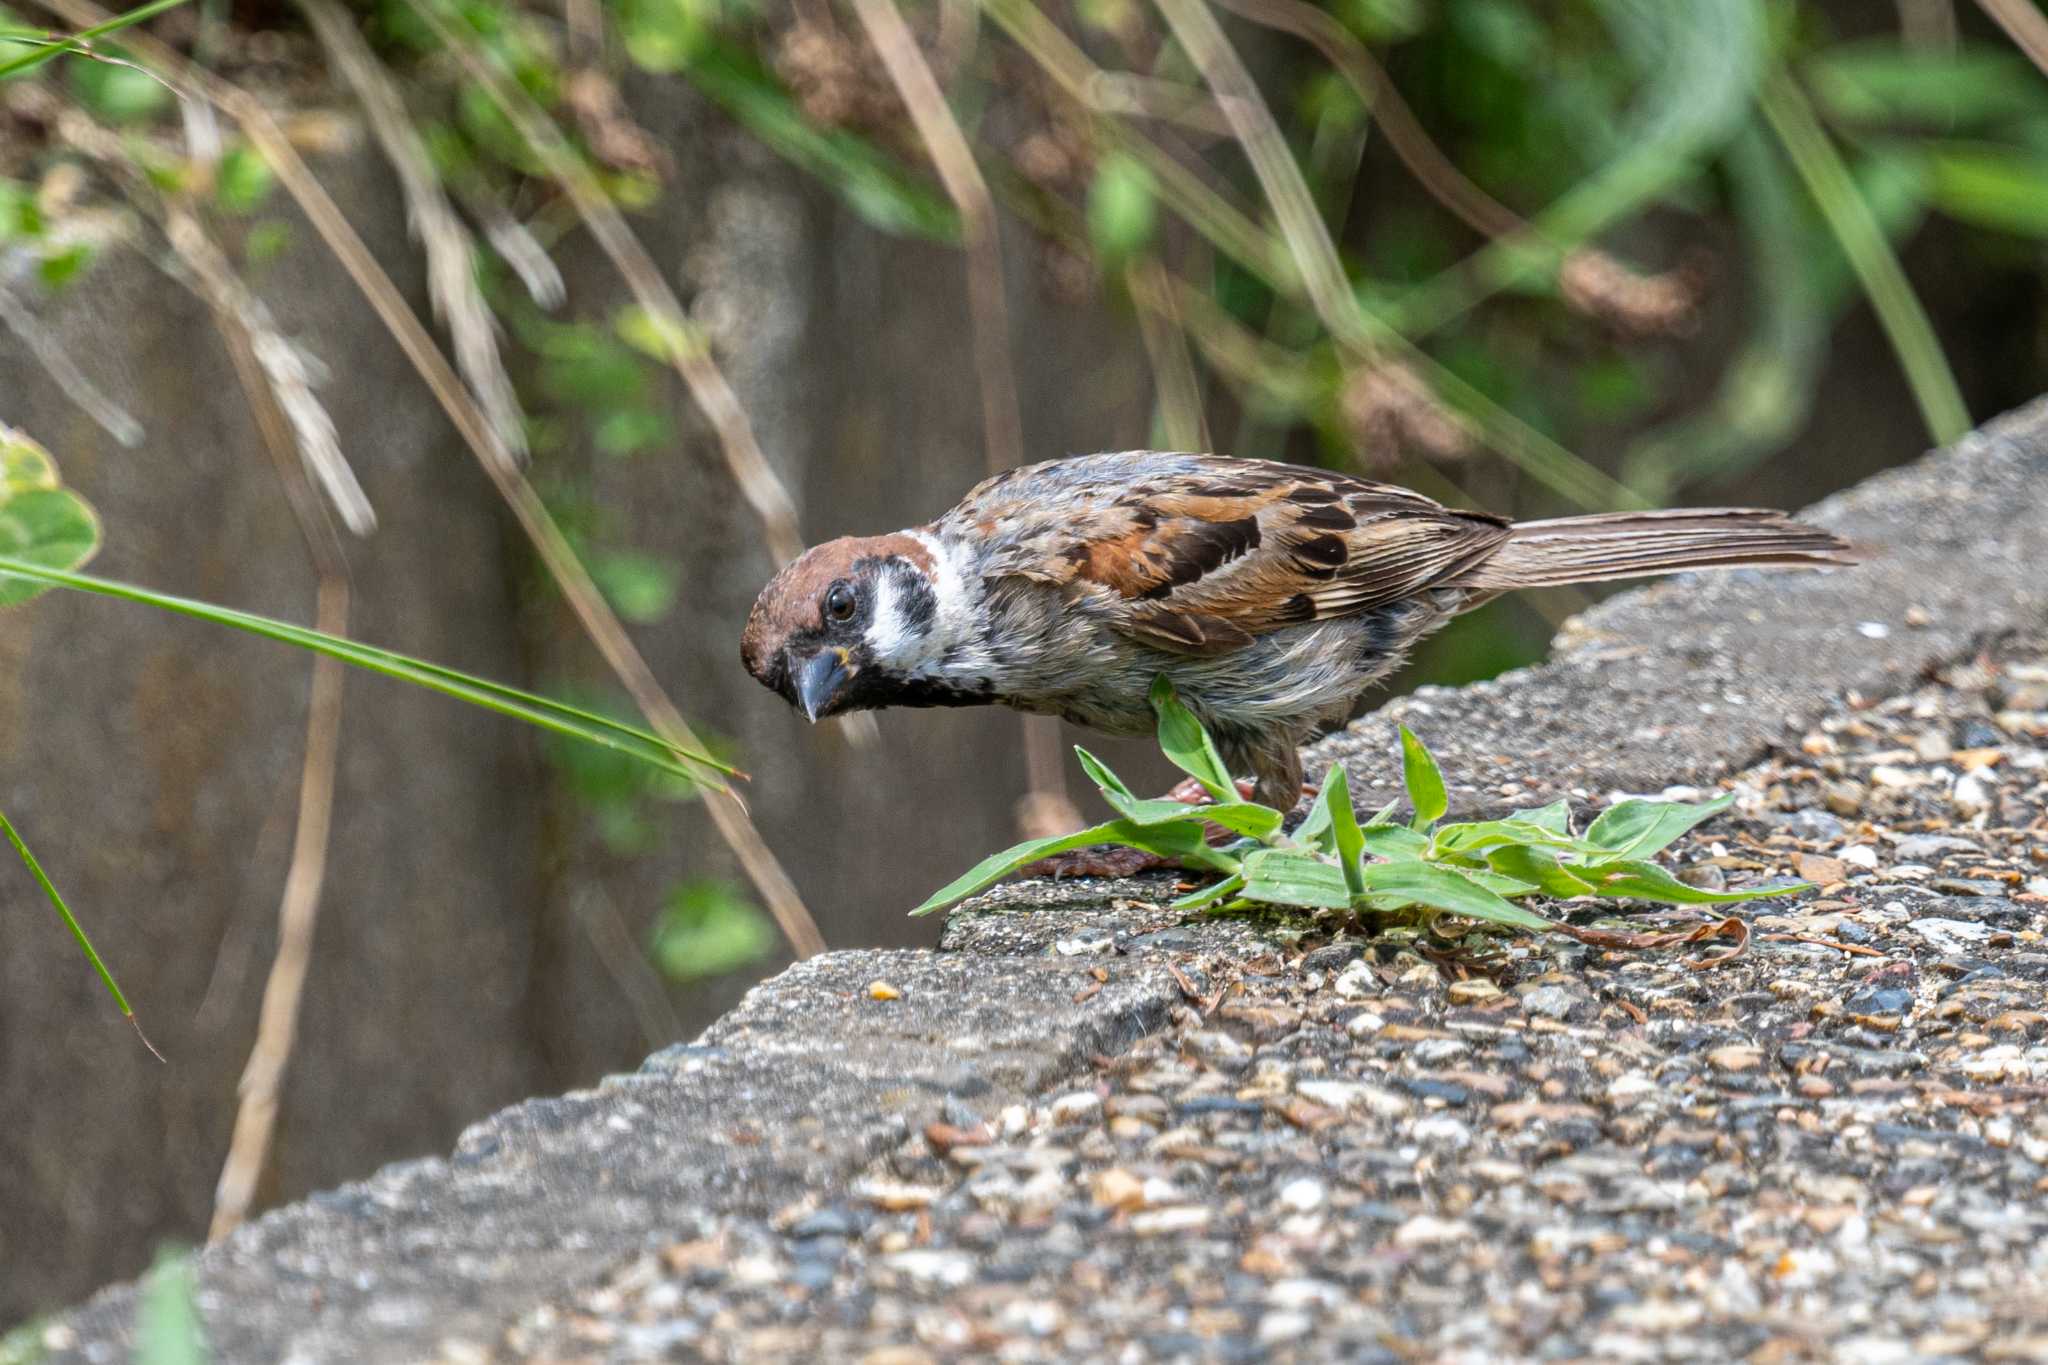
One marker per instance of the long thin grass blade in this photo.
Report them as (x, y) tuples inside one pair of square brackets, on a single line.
[(544, 712), (35, 869), (1862, 240)]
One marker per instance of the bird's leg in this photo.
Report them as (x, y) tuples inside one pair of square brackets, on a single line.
[(1189, 791), (1278, 769)]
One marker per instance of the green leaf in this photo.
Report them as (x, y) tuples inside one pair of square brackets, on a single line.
[(665, 35), (709, 927), (41, 523), (118, 94), (1317, 828), (640, 587), (1182, 841), (1995, 187), (1187, 744), (1277, 876), (243, 181), (1556, 818), (61, 267), (24, 465), (1881, 81), (20, 215), (1499, 883), (1244, 817), (168, 1330), (1154, 811), (1393, 841), (1639, 829), (1646, 881), (1538, 867), (1424, 780), (1331, 825), (1099, 773), (1479, 835), (1123, 209), (1210, 895), (660, 337), (1410, 882)]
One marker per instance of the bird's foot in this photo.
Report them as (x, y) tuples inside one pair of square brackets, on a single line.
[(1107, 860)]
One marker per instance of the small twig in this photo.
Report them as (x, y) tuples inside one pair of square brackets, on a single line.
[(1002, 422), (1928, 24), (627, 966), (298, 907), (2024, 23), (1854, 949), (1166, 346), (450, 250), (49, 352), (1856, 228), (1121, 92)]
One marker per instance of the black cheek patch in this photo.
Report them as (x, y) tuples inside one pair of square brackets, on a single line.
[(915, 598)]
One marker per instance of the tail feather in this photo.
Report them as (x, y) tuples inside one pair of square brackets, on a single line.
[(1610, 545)]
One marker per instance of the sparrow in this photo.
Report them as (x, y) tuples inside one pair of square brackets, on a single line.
[(1272, 595)]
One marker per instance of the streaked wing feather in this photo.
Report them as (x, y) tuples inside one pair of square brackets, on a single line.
[(1203, 554)]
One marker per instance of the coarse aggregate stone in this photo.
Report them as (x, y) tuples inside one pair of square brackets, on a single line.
[(1091, 1127)]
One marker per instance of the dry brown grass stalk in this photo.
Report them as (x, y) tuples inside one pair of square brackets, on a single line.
[(1046, 806)]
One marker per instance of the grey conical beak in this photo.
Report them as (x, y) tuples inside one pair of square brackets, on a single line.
[(819, 681)]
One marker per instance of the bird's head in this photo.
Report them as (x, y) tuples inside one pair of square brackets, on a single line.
[(848, 626)]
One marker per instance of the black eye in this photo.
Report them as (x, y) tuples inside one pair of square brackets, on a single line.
[(839, 603)]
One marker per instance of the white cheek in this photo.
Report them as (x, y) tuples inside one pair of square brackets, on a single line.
[(888, 634)]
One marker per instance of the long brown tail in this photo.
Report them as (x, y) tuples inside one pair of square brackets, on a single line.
[(1540, 554)]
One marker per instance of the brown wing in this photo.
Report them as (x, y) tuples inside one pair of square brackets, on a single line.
[(1201, 554)]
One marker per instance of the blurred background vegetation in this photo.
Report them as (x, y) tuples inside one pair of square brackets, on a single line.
[(719, 277)]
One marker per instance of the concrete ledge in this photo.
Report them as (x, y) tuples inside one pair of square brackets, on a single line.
[(569, 1211)]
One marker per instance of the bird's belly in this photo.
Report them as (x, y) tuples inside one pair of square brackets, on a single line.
[(1287, 679)]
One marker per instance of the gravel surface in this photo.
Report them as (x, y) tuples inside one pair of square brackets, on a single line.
[(1833, 1144)]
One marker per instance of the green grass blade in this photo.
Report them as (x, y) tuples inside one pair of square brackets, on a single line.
[(35, 869), (1179, 840), (59, 46), (1870, 254), (1424, 780), (1210, 895), (535, 710), (1183, 740), (1445, 888), (1099, 773), (168, 1330), (1277, 876), (1639, 828)]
